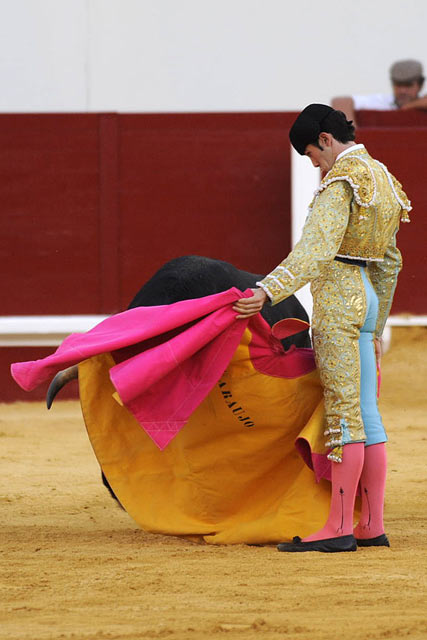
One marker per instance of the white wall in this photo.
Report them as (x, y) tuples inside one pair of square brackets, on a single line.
[(43, 55), (199, 55)]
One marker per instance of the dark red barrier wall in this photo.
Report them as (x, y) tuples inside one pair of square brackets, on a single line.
[(213, 185), (93, 204), (50, 241)]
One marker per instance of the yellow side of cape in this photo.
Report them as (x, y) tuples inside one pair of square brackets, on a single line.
[(232, 474)]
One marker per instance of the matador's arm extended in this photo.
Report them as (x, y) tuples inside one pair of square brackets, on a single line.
[(321, 239), (384, 279)]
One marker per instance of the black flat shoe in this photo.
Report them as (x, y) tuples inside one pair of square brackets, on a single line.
[(329, 545), (379, 541)]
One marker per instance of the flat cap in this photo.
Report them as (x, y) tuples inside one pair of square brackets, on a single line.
[(308, 126), (406, 71)]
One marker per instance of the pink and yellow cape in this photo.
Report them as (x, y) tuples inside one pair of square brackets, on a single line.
[(231, 445)]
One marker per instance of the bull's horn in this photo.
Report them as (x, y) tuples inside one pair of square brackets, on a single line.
[(59, 381)]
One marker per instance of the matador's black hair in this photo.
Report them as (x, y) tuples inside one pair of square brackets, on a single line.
[(315, 119)]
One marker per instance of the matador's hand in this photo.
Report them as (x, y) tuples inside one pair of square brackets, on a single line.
[(247, 307)]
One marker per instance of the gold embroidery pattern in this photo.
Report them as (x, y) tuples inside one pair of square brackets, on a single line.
[(399, 194), (377, 206), (383, 276), (338, 314), (358, 173), (354, 214)]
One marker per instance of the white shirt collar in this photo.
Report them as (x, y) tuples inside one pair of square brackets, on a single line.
[(354, 147)]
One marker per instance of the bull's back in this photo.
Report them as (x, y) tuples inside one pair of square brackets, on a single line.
[(189, 277)]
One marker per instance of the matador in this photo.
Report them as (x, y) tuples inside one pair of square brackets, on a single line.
[(349, 255)]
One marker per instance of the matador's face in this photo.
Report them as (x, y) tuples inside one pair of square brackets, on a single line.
[(322, 157)]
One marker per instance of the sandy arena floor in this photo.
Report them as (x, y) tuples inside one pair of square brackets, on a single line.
[(73, 565)]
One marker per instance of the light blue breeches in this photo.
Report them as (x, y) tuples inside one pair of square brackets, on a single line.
[(372, 422)]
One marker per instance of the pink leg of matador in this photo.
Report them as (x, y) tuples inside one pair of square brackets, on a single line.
[(372, 482), (345, 479)]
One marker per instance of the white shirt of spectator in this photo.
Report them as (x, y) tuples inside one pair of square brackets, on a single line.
[(375, 102)]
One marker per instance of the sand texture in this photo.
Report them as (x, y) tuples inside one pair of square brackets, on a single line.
[(74, 565)]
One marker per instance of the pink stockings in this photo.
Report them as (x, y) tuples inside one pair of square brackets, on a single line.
[(369, 465), (372, 482)]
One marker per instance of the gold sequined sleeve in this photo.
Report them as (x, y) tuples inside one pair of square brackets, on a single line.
[(384, 279), (321, 238)]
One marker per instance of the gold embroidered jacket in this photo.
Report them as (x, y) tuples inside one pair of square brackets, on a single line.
[(355, 213)]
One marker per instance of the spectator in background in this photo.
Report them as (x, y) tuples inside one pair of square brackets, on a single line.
[(407, 80)]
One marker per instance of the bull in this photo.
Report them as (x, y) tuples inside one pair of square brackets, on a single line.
[(190, 277)]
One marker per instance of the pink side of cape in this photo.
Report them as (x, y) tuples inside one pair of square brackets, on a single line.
[(119, 331), (163, 384)]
